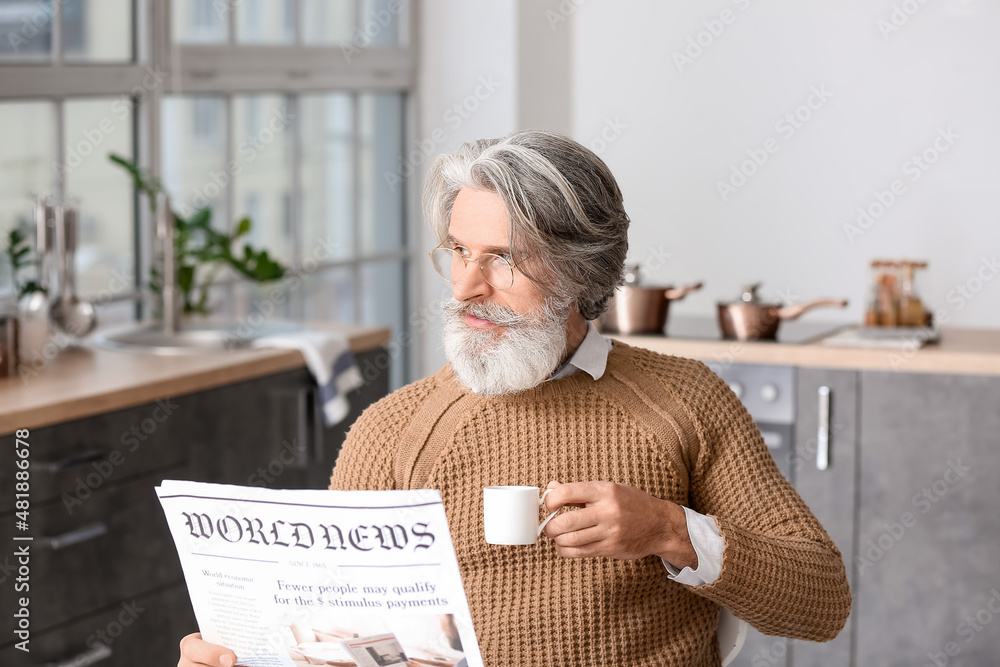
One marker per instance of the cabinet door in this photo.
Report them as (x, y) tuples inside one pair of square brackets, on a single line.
[(269, 431), (141, 631), (825, 475), (929, 526)]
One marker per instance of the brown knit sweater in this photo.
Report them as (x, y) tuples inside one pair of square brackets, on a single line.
[(663, 424)]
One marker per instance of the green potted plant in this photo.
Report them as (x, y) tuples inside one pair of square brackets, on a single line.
[(202, 251), (19, 257)]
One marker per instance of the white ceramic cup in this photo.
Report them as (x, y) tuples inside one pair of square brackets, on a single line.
[(510, 514)]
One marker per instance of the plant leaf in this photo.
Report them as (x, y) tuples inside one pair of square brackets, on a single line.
[(242, 227)]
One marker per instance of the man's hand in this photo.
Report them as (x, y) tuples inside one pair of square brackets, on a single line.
[(196, 652), (618, 521)]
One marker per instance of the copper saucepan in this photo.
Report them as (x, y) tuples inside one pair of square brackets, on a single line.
[(636, 309), (752, 319)]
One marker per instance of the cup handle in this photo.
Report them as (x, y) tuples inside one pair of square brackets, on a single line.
[(541, 501)]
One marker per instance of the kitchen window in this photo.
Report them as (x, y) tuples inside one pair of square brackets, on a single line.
[(291, 112)]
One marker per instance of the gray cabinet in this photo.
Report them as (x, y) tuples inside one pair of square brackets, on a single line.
[(910, 493), (830, 398), (928, 546), (825, 474)]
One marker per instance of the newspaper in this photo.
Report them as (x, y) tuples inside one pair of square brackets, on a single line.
[(293, 578)]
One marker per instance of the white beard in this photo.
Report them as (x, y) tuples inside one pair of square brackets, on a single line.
[(520, 356)]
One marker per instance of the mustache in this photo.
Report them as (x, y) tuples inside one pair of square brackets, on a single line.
[(492, 312)]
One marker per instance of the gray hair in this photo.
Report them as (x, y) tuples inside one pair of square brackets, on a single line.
[(564, 209)]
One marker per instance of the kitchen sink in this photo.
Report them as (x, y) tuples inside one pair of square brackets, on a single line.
[(192, 338)]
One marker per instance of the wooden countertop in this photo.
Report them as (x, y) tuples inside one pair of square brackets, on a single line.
[(85, 381), (960, 351)]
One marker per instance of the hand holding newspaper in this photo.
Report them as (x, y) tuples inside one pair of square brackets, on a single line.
[(293, 578)]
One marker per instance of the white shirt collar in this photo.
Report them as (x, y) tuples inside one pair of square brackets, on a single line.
[(591, 356)]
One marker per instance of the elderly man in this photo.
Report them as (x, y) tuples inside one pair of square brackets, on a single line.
[(680, 509)]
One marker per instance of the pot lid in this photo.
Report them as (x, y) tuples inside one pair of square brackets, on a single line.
[(750, 294), (632, 274), (749, 297)]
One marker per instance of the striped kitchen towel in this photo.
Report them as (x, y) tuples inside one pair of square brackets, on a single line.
[(331, 362)]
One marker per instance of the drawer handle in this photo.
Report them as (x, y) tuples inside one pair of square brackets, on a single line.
[(823, 433), (71, 461), (77, 536), (85, 658)]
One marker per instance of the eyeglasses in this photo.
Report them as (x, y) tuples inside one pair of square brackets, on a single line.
[(497, 270)]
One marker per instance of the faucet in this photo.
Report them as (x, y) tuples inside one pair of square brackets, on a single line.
[(165, 230)]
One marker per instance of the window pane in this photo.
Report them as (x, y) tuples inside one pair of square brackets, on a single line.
[(113, 313), (327, 21), (27, 154), (201, 21), (265, 22), (262, 186), (264, 302), (97, 30), (328, 173), (95, 128), (380, 22), (194, 155), (328, 296), (381, 172), (26, 29), (383, 294)]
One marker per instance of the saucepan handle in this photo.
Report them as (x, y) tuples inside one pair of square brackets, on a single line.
[(676, 293), (791, 312)]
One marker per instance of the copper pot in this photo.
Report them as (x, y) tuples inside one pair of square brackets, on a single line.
[(752, 319), (641, 310)]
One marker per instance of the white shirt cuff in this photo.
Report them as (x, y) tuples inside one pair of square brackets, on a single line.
[(708, 544)]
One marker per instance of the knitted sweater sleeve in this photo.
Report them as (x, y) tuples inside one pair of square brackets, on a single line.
[(781, 572)]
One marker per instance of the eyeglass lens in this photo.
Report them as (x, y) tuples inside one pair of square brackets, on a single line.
[(496, 270)]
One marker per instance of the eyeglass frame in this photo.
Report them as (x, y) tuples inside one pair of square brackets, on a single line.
[(466, 260)]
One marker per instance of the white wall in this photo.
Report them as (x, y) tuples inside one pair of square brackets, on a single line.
[(671, 134), (467, 57), (687, 126)]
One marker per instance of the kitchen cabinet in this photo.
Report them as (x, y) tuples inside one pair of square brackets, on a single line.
[(816, 397), (928, 527), (101, 547), (909, 494), (824, 471)]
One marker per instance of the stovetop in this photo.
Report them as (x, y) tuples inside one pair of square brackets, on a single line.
[(792, 332)]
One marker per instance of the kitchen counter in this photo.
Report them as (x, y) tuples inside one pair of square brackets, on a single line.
[(85, 381), (960, 351)]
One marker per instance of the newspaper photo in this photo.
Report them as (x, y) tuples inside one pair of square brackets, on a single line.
[(303, 577)]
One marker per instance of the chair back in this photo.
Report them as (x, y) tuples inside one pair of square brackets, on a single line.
[(732, 632)]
